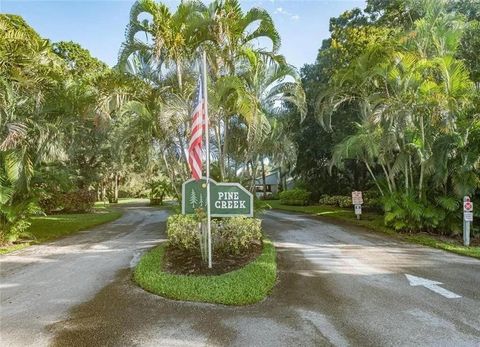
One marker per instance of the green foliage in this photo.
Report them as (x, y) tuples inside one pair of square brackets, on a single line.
[(78, 59), (14, 220), (247, 285), (237, 234), (229, 235), (370, 199), (47, 228), (159, 188), (72, 202), (294, 196), (336, 200), (183, 231), (412, 106), (404, 212)]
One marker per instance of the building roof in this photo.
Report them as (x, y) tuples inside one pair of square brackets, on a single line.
[(270, 179)]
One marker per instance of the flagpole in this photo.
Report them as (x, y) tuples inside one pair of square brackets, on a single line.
[(207, 150)]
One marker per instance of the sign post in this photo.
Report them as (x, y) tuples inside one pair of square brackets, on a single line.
[(467, 219), (357, 201)]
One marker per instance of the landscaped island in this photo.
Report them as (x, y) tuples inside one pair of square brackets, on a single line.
[(244, 267)]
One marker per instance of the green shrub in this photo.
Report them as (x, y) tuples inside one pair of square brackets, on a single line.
[(229, 235), (372, 199), (182, 231), (404, 212), (237, 234), (294, 197), (336, 200), (79, 201), (158, 190), (14, 219)]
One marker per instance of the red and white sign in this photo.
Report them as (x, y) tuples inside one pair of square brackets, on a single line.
[(467, 204), (357, 198)]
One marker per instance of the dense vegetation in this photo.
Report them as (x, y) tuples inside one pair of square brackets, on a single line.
[(391, 106), (395, 94), (73, 129)]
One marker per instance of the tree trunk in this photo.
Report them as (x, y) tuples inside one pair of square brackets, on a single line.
[(422, 162), (179, 75), (104, 190), (115, 193), (220, 152), (184, 153), (264, 181), (374, 178), (225, 143), (387, 176), (171, 175), (280, 181), (406, 177)]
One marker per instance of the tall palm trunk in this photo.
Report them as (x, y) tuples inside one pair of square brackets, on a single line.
[(374, 178), (179, 75), (172, 176), (115, 192), (220, 152), (184, 152), (225, 144), (264, 181), (422, 163)]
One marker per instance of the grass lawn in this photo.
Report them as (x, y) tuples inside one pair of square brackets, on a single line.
[(124, 201), (46, 228), (374, 221), (244, 286), (121, 201)]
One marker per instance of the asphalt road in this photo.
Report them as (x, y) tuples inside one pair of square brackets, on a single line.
[(40, 284), (337, 286)]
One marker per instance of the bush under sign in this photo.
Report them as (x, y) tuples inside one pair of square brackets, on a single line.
[(227, 199)]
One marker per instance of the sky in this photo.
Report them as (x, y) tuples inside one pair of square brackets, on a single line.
[(99, 25)]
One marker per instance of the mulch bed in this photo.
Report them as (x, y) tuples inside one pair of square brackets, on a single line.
[(180, 262)]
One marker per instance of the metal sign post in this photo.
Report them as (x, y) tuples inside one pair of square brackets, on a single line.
[(357, 201), (207, 149), (467, 219)]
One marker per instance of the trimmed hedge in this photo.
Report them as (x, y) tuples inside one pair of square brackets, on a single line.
[(370, 199), (296, 197), (230, 235), (79, 201), (336, 200), (244, 286)]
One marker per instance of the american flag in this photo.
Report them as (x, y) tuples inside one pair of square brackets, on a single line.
[(196, 134)]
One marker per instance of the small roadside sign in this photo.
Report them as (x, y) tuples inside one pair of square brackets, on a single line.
[(467, 219), (468, 206), (357, 198), (358, 209), (468, 216)]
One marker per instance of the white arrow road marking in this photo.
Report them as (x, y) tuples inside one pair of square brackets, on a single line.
[(432, 285)]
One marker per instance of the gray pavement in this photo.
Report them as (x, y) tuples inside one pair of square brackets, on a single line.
[(337, 286), (40, 284)]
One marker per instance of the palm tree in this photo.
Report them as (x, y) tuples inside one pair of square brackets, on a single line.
[(228, 35)]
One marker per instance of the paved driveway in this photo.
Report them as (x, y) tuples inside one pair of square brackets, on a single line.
[(337, 286)]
